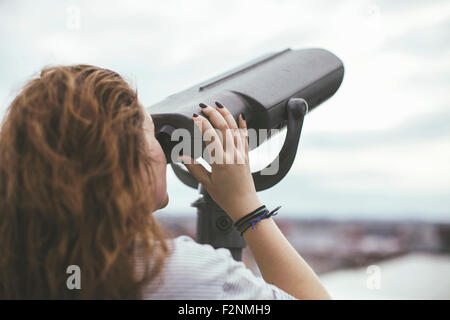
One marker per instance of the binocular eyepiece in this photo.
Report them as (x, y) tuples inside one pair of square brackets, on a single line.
[(273, 91)]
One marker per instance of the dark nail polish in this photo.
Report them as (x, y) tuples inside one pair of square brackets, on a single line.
[(243, 116), (195, 115), (219, 105), (202, 105)]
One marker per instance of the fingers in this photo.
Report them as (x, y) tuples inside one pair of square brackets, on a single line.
[(218, 121), (243, 131), (196, 169), (231, 124), (212, 140), (215, 117), (229, 137), (206, 129), (226, 115)]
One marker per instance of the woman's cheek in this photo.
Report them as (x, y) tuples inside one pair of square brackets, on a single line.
[(161, 177), (162, 196)]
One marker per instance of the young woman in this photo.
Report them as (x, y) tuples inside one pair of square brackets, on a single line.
[(81, 174)]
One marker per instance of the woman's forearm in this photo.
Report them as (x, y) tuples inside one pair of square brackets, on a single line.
[(232, 188), (280, 264)]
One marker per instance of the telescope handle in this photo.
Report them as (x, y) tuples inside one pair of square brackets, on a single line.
[(296, 109)]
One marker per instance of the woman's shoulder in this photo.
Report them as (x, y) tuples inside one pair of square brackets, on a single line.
[(199, 271), (191, 271), (193, 255), (184, 247)]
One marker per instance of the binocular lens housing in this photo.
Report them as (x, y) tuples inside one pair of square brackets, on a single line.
[(272, 91)]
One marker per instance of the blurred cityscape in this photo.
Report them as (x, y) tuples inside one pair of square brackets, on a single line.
[(329, 245)]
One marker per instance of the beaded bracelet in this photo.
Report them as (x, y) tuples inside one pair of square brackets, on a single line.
[(266, 214), (238, 224)]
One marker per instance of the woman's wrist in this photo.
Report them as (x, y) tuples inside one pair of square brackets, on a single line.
[(244, 208), (260, 228)]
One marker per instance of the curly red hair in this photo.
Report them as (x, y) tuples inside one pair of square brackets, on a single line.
[(72, 188)]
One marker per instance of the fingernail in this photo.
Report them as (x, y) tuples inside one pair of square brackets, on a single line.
[(195, 115), (243, 116), (219, 104), (202, 105)]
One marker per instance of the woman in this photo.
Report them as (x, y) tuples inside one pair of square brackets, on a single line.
[(81, 174)]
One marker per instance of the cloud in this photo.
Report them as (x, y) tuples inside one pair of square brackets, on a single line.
[(428, 41), (417, 129), (380, 145)]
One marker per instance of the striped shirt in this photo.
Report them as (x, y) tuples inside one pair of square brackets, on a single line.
[(198, 271)]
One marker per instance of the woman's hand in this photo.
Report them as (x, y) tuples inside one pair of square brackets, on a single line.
[(230, 182)]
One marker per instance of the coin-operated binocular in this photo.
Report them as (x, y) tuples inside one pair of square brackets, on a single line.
[(273, 91)]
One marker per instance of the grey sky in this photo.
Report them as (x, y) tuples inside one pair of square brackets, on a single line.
[(379, 148)]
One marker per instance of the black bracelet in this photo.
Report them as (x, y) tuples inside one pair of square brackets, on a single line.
[(249, 216), (266, 215)]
